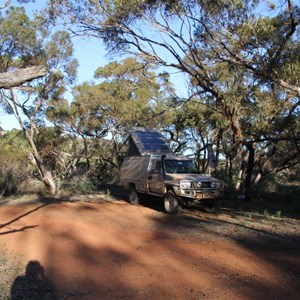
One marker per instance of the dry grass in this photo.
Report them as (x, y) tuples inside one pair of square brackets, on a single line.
[(9, 270)]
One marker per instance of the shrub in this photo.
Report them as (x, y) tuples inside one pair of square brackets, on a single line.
[(13, 167), (77, 184)]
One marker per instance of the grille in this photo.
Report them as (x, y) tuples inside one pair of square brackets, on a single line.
[(205, 184)]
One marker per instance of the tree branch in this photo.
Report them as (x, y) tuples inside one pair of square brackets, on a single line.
[(18, 77), (6, 4)]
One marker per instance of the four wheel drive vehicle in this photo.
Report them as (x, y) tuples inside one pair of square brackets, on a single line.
[(151, 168)]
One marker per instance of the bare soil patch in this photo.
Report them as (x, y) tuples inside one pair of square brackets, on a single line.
[(96, 247)]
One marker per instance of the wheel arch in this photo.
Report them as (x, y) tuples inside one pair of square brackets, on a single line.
[(172, 203), (170, 187)]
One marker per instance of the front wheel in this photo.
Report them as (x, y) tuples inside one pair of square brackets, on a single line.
[(171, 202), (133, 195)]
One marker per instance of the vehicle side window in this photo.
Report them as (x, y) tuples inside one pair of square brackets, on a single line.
[(156, 167)]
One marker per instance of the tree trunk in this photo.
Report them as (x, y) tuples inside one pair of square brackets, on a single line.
[(249, 172), (257, 178), (45, 174), (49, 182), (86, 153), (242, 171), (230, 165), (219, 141)]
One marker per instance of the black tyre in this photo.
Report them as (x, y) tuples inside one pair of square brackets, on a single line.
[(172, 204), (134, 197)]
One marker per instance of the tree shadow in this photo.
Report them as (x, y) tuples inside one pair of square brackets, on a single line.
[(141, 265), (114, 266), (18, 230), (152, 202), (6, 224), (115, 190), (120, 193), (33, 285), (281, 251), (285, 207)]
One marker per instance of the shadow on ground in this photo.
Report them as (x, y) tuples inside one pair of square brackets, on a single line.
[(33, 285), (111, 250)]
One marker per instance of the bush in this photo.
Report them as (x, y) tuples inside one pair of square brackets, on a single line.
[(279, 189), (77, 184), (13, 167), (10, 178)]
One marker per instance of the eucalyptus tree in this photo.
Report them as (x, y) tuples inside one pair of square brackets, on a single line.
[(27, 43), (19, 76), (242, 58), (126, 94)]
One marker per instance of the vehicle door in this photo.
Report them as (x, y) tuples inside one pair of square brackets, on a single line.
[(155, 177)]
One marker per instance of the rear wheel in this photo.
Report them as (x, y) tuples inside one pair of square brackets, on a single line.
[(172, 204), (134, 197)]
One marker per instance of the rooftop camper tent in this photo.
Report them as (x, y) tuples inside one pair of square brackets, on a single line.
[(143, 141), (144, 146)]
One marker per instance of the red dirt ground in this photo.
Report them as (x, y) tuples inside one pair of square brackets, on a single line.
[(109, 249)]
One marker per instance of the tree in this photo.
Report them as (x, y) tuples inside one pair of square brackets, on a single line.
[(239, 63), (20, 76), (129, 94), (26, 44)]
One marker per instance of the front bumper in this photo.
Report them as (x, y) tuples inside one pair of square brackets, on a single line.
[(199, 194)]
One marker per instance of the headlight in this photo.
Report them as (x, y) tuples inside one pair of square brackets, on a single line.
[(184, 184), (215, 184)]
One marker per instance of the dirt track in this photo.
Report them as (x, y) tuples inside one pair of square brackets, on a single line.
[(109, 249)]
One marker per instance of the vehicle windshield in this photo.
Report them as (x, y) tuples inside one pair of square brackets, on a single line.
[(180, 166)]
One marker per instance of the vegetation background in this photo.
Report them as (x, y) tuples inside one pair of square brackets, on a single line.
[(241, 60)]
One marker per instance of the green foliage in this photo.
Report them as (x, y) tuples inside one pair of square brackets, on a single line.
[(18, 39), (242, 67), (50, 142), (25, 42), (243, 85), (129, 94), (281, 188), (78, 184), (14, 168)]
